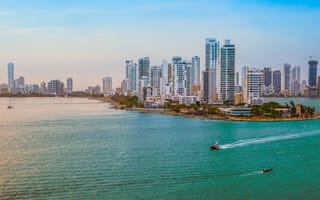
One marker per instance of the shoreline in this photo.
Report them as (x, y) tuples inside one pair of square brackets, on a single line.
[(116, 105)]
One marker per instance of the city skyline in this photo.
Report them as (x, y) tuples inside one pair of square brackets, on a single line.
[(55, 40)]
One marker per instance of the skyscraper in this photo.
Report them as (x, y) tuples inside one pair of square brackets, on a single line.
[(212, 62), (43, 88), (195, 71), (295, 81), (107, 85), (244, 83), (155, 77), (276, 81), (55, 87), (227, 72), (131, 76), (181, 78), (69, 86), (285, 80), (267, 76), (144, 67), (255, 84), (165, 72), (18, 86), (10, 76), (313, 73)]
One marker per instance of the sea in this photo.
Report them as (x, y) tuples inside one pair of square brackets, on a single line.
[(73, 148)]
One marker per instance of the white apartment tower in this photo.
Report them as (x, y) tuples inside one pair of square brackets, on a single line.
[(107, 85), (255, 84), (182, 78), (212, 68), (155, 80), (131, 75)]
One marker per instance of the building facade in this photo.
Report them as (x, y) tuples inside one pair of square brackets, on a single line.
[(227, 72), (267, 76), (295, 81), (195, 71), (10, 76), (182, 78), (131, 76), (285, 84), (55, 87), (144, 67), (69, 88), (313, 73), (107, 85), (276, 81), (255, 85), (211, 66)]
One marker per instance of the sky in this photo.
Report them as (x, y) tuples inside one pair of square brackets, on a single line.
[(88, 40)]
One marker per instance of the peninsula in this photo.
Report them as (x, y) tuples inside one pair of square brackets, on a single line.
[(270, 111)]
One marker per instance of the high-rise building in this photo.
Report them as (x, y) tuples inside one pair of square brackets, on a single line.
[(142, 84), (313, 73), (303, 87), (205, 85), (10, 76), (244, 83), (212, 63), (19, 86), (144, 67), (318, 85), (181, 78), (295, 81), (276, 81), (285, 79), (125, 87), (170, 73), (19, 82), (195, 71), (107, 85), (237, 78), (165, 72), (227, 72), (55, 87), (43, 88), (155, 79), (255, 85), (267, 76), (131, 75), (69, 86), (176, 60)]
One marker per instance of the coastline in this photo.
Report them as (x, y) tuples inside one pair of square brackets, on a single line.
[(116, 105)]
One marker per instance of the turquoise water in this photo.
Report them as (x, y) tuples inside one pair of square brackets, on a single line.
[(58, 148)]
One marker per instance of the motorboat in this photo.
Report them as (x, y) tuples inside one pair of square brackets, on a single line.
[(10, 106), (266, 170), (215, 146)]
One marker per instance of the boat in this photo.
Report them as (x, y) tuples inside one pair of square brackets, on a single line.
[(215, 146), (266, 170), (9, 106)]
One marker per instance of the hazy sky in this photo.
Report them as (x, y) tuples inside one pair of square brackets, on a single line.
[(90, 39)]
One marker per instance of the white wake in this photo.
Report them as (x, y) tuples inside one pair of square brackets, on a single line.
[(248, 142)]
